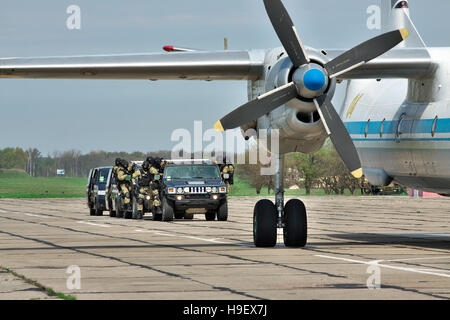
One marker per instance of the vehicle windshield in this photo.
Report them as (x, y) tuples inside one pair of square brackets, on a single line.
[(103, 175), (191, 172)]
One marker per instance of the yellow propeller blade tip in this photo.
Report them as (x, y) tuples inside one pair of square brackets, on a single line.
[(218, 126), (404, 33), (357, 173)]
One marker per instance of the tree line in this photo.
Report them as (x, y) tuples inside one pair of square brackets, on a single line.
[(322, 170), (74, 163)]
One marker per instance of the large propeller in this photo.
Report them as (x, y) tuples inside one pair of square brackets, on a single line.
[(312, 81)]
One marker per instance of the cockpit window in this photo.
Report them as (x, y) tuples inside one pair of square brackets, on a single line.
[(401, 4)]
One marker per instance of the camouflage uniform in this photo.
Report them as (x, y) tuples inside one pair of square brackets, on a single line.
[(229, 169), (116, 167), (141, 181), (124, 183), (156, 168)]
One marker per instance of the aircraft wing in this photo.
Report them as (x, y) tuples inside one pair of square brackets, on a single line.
[(220, 65), (410, 63)]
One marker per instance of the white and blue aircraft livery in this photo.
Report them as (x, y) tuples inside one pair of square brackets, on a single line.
[(394, 123)]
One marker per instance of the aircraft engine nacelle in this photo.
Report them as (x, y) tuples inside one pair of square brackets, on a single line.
[(298, 121)]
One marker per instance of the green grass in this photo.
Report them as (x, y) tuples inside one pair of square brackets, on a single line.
[(18, 184), (242, 188)]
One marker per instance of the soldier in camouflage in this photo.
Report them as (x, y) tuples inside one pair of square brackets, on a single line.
[(141, 181), (155, 185), (227, 169), (124, 182)]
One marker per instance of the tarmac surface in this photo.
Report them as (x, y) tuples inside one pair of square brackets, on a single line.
[(397, 246)]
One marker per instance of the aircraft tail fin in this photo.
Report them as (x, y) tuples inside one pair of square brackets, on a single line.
[(395, 15)]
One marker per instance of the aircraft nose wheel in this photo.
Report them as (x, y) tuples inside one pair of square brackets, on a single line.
[(295, 230), (265, 218), (265, 223)]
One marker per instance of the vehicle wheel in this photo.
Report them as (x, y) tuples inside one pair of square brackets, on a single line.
[(265, 224), (127, 214), (98, 212), (222, 212), (188, 216), (112, 212), (179, 214), (92, 212), (210, 216), (136, 214), (157, 217), (119, 212), (167, 211), (156, 214), (295, 229)]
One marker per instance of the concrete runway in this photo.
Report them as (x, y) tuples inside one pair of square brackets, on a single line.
[(403, 242)]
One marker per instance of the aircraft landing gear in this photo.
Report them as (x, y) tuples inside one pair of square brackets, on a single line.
[(267, 216)]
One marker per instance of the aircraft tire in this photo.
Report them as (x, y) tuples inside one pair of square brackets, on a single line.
[(295, 231), (265, 224)]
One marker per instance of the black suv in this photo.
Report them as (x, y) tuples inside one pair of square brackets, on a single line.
[(98, 190), (189, 188)]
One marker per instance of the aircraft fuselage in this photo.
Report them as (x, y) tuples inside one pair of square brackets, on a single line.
[(401, 128)]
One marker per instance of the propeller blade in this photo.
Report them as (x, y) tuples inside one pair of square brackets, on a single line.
[(286, 31), (365, 52), (339, 135), (257, 108)]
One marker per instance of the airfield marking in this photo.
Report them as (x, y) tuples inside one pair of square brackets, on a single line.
[(35, 215), (385, 266), (412, 259), (94, 224), (214, 240)]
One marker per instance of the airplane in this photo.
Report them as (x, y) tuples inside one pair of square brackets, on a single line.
[(392, 125)]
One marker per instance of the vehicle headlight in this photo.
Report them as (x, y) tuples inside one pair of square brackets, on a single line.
[(214, 190), (186, 189), (180, 190), (171, 191), (208, 189), (223, 190)]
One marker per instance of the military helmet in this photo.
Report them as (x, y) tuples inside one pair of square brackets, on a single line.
[(150, 160), (118, 161), (124, 163), (146, 165), (157, 162)]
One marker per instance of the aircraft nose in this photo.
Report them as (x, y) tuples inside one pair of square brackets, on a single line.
[(314, 79)]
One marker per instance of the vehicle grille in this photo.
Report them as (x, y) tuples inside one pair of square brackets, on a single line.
[(196, 196), (197, 190)]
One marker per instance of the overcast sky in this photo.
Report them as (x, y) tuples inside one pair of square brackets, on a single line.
[(141, 115)]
